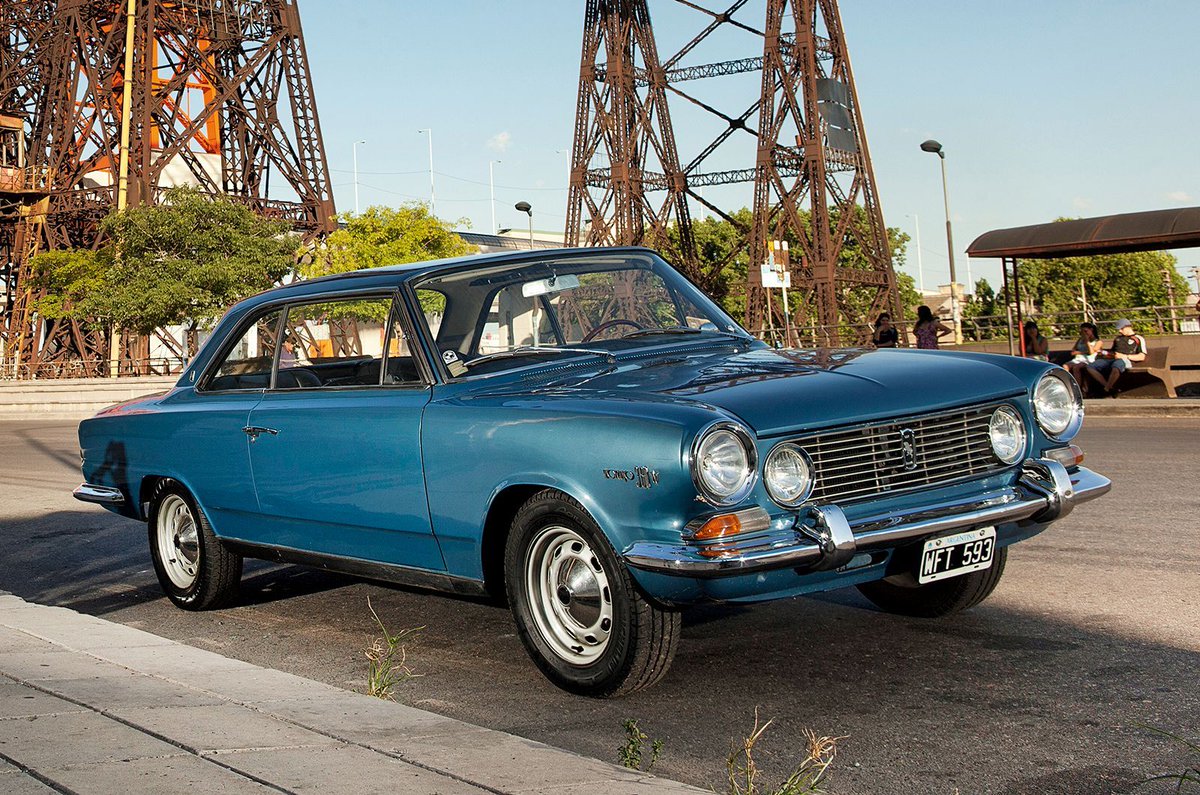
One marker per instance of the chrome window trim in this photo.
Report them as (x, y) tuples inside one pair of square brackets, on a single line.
[(283, 304)]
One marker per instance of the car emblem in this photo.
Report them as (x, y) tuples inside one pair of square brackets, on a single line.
[(642, 477), (908, 448)]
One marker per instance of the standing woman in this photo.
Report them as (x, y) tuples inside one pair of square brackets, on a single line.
[(928, 329), (885, 335)]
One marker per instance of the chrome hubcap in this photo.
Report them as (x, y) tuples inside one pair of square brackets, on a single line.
[(178, 541), (569, 595)]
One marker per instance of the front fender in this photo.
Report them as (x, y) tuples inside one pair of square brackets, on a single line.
[(628, 471)]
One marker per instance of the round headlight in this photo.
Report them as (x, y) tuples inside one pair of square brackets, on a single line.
[(1008, 435), (1057, 405), (788, 475), (724, 463)]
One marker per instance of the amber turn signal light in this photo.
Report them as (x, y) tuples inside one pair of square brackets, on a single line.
[(720, 526)]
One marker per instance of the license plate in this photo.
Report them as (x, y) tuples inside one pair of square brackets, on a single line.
[(951, 556)]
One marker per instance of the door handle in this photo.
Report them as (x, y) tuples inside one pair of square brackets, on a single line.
[(254, 431)]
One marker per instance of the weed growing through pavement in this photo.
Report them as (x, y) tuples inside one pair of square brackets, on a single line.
[(1190, 774), (630, 754), (806, 779), (388, 660)]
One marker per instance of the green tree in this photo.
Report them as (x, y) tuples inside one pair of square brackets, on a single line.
[(385, 236), (182, 262), (719, 241)]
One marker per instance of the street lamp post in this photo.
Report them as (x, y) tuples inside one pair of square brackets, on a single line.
[(936, 148), (920, 266), (492, 189), (526, 208), (432, 196), (354, 149)]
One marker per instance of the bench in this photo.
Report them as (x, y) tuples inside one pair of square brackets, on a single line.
[(1156, 365)]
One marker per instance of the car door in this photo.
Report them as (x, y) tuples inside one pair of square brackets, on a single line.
[(335, 442), (202, 433)]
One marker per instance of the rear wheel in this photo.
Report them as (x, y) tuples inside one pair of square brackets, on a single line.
[(902, 595), (577, 610), (196, 571)]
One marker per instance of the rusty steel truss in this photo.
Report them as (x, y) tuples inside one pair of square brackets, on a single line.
[(108, 103), (812, 176)]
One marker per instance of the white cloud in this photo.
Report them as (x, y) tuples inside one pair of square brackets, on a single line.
[(500, 141), (1179, 196), (1080, 203)]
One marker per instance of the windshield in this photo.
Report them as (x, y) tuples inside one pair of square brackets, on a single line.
[(515, 314)]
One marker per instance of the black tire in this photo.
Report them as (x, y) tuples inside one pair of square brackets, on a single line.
[(554, 540), (198, 572), (939, 598)]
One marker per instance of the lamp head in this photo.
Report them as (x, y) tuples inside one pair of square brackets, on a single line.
[(933, 146), (524, 207)]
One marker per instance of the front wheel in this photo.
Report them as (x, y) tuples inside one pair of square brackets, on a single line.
[(196, 571), (934, 599), (577, 610)]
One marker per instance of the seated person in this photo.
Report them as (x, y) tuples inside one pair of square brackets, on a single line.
[(1128, 347), (1084, 351), (1036, 345)]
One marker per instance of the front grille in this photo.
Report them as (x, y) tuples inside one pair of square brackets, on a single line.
[(914, 452)]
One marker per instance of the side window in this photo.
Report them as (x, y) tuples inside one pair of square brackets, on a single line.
[(341, 343), (248, 363)]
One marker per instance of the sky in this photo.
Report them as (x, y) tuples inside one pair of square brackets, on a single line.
[(1046, 109)]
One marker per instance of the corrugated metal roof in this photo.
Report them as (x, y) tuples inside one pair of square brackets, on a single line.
[(1110, 234)]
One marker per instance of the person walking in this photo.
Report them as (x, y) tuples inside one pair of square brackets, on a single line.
[(928, 329)]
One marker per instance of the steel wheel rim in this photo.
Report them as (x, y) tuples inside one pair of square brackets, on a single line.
[(178, 541), (569, 595)]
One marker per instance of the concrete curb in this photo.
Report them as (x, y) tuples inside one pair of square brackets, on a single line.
[(1143, 407), (91, 706)]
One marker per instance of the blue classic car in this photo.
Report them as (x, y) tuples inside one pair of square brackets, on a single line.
[(587, 434)]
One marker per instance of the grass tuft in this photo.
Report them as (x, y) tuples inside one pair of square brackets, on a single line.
[(630, 754), (743, 773), (387, 658), (1190, 775)]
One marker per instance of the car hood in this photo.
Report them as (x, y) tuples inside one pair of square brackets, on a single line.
[(775, 391)]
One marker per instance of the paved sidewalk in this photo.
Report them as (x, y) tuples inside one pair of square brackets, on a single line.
[(89, 706)]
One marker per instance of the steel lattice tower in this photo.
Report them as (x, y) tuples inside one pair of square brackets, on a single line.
[(624, 146), (812, 175), (108, 103)]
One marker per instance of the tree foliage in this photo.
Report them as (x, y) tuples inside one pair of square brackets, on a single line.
[(386, 236), (717, 241), (182, 262), (1115, 281)]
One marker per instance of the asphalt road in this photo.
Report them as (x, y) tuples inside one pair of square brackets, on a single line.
[(1093, 633)]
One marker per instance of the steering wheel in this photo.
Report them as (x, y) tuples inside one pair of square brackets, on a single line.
[(606, 325)]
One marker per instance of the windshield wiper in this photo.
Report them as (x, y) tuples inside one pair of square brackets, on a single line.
[(536, 350), (646, 332)]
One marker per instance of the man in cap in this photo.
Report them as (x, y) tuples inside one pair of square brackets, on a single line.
[(1127, 348)]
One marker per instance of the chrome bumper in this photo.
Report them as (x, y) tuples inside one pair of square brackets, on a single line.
[(104, 495), (824, 539)]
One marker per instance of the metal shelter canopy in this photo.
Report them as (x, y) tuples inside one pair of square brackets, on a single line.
[(1151, 230)]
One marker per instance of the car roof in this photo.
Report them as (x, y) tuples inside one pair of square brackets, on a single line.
[(394, 274)]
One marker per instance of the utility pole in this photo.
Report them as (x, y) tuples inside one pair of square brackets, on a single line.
[(1171, 298)]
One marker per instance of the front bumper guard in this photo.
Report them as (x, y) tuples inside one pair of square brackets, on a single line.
[(823, 538)]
